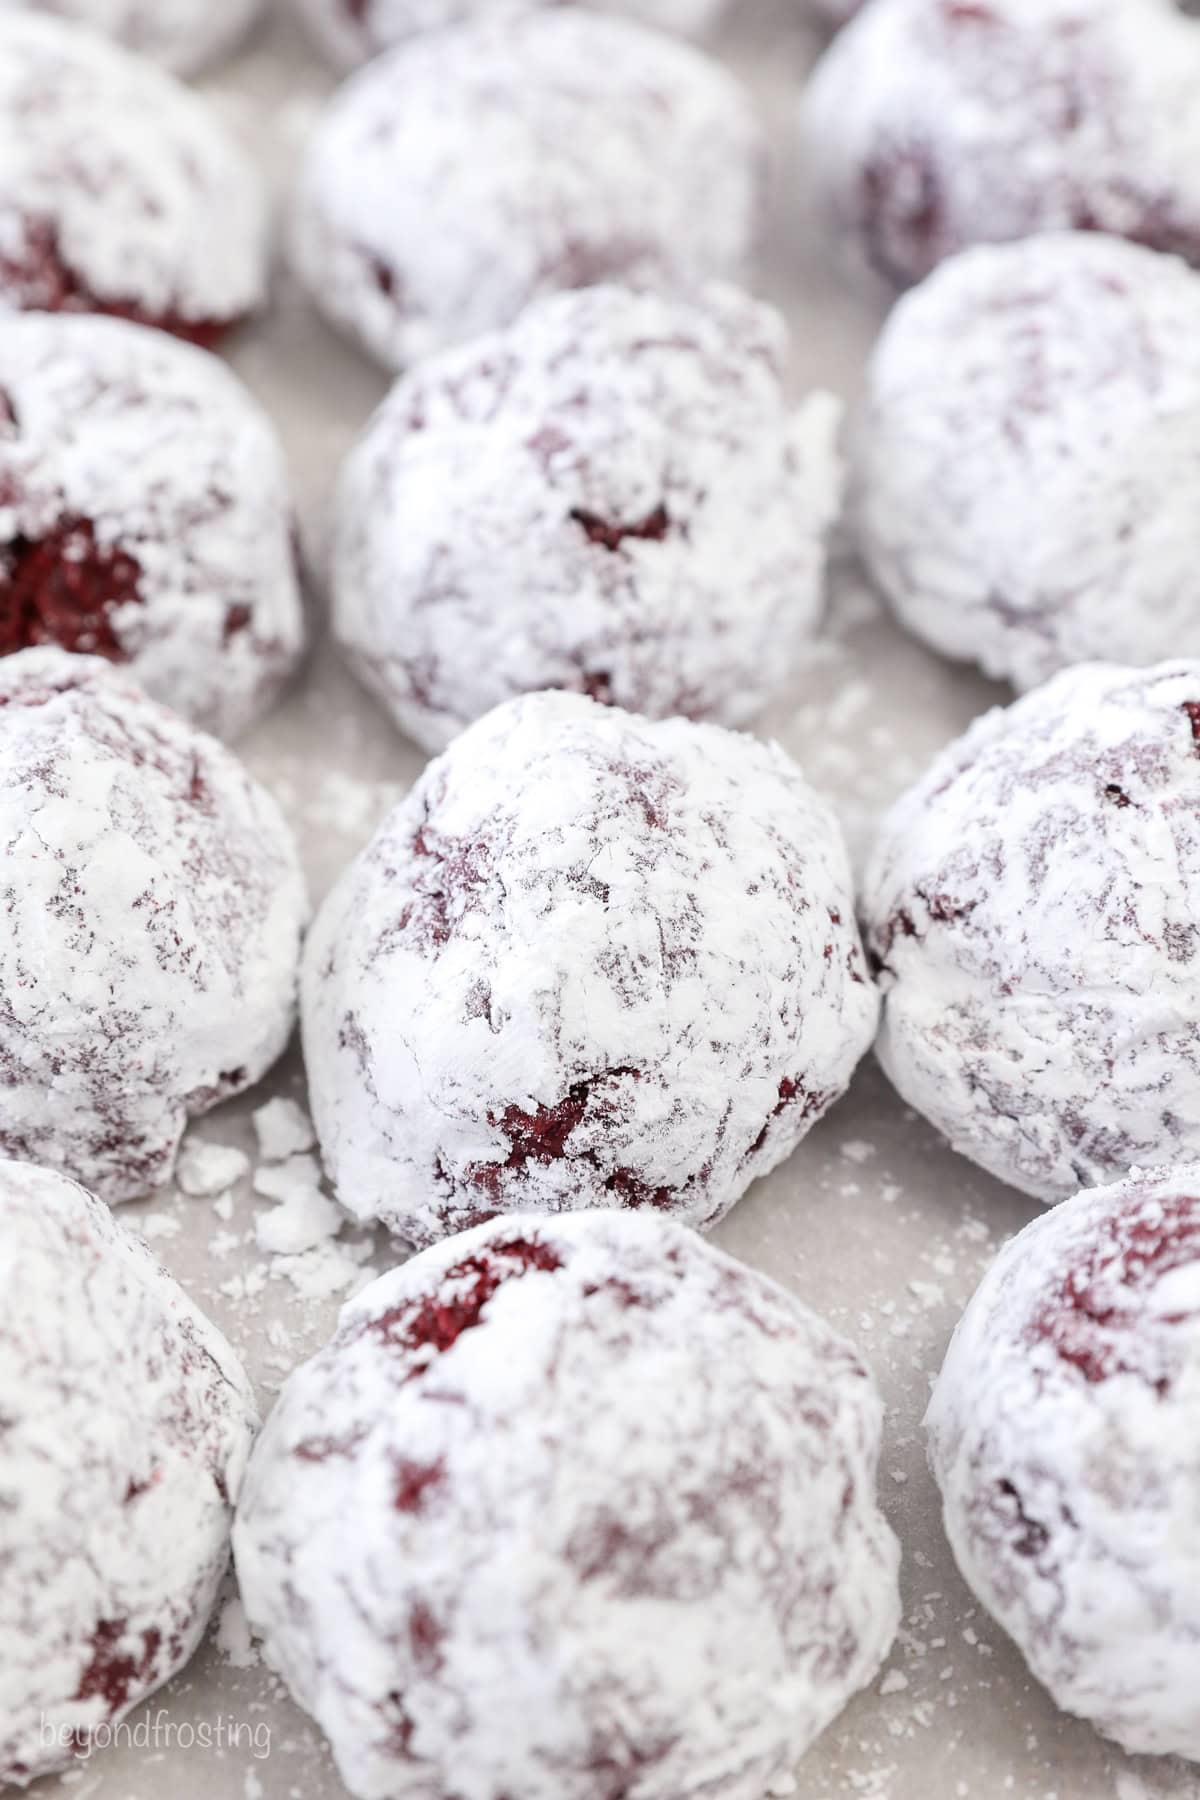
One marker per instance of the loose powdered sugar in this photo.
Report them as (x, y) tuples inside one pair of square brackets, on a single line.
[(1033, 904), (590, 960), (933, 124), (613, 495), (122, 194), (182, 35), (1028, 464), (144, 514), (595, 1432), (153, 906), (459, 177), (127, 1423), (1062, 1434)]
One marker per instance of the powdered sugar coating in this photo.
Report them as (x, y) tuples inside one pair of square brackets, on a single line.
[(554, 150), (149, 934), (612, 496), (1061, 1432), (1030, 455), (934, 124), (1033, 904), (183, 35), (353, 31), (122, 193), (570, 1509), (145, 515), (127, 1424), (589, 960)]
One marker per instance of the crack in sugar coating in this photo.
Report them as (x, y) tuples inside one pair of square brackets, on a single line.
[(933, 125), (601, 1522), (1092, 1317), (1026, 469), (352, 31), (122, 193), (613, 496), (36, 278), (126, 1426), (557, 149), (62, 588), (1037, 941), (589, 960), (435, 1323), (611, 534), (145, 516), (182, 35), (1060, 1433), (151, 906)]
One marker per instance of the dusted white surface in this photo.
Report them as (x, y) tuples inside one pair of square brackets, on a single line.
[(159, 210), (872, 1221), (182, 35), (431, 207), (1068, 1397), (1031, 904), (600, 411), (554, 853), (1043, 391), (127, 1424), (713, 1554), (151, 443)]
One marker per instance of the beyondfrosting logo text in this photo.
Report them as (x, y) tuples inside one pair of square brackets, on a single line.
[(158, 1731)]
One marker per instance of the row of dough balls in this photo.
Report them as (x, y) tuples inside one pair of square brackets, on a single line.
[(929, 126), (563, 146), (564, 1504), (187, 36), (631, 451), (1020, 489), (593, 961), (1019, 480), (591, 958), (571, 1502)]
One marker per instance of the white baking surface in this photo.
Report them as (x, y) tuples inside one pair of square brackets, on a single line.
[(872, 1221)]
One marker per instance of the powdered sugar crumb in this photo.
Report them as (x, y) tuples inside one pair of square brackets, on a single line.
[(328, 1269), (303, 1218), (205, 1169), (282, 1129)]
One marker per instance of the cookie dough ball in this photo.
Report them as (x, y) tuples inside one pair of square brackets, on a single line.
[(122, 193), (588, 961), (144, 515), (613, 496), (1032, 904), (459, 177), (183, 35), (352, 31), (931, 124), (151, 926), (1062, 1435), (127, 1424), (569, 1509), (1030, 457)]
